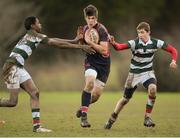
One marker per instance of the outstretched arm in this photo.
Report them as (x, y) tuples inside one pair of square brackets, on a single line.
[(174, 55), (62, 44), (117, 46), (73, 41)]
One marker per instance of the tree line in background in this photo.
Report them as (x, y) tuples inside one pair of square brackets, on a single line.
[(60, 18)]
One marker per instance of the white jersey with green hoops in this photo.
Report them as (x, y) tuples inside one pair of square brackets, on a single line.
[(25, 47), (143, 54)]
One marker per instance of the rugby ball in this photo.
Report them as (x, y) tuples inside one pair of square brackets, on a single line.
[(92, 35)]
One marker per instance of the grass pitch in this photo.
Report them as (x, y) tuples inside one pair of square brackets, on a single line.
[(58, 113)]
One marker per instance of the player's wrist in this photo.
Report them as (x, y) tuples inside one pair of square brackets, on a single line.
[(173, 61), (76, 38), (114, 44)]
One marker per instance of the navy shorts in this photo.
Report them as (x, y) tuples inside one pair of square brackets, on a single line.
[(102, 70)]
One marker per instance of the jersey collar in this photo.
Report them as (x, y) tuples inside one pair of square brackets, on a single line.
[(144, 44)]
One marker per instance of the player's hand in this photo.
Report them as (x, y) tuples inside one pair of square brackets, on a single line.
[(89, 49), (80, 33), (112, 40), (173, 64)]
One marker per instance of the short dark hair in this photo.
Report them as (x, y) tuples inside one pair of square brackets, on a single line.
[(143, 25), (90, 10), (29, 21)]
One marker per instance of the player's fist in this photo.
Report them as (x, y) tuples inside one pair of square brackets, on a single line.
[(111, 39), (80, 33), (173, 64)]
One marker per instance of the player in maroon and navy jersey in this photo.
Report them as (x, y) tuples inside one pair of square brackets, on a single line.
[(97, 66)]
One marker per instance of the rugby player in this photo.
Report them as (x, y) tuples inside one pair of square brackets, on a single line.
[(17, 77), (141, 70)]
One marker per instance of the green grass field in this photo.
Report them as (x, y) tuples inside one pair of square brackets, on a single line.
[(58, 113)]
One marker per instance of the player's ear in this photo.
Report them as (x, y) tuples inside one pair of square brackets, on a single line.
[(32, 26), (96, 18)]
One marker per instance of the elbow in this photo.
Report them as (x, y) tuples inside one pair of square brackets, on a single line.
[(117, 49)]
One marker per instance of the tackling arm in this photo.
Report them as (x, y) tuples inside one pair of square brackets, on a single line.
[(73, 41), (117, 46), (62, 44)]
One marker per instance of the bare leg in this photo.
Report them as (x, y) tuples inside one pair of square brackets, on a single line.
[(33, 92), (120, 104), (89, 83), (151, 99), (96, 93), (148, 122)]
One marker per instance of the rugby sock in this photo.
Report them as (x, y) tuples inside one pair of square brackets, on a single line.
[(36, 118), (149, 105), (85, 101)]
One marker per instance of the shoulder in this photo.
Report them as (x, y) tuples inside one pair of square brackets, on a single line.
[(101, 28), (133, 43), (42, 38), (159, 43), (154, 40)]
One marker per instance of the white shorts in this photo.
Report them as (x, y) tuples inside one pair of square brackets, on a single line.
[(97, 82), (136, 79), (16, 77)]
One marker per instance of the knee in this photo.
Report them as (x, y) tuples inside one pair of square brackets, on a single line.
[(35, 94), (128, 92), (152, 88), (89, 86)]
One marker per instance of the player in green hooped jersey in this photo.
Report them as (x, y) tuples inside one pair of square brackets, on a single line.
[(17, 77), (141, 70)]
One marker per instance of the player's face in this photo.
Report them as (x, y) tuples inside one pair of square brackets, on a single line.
[(143, 35), (91, 21), (37, 26)]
